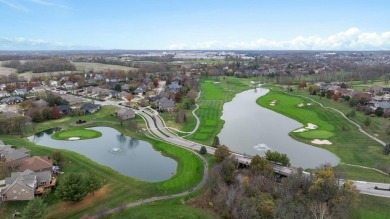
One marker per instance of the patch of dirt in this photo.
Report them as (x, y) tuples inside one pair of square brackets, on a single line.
[(86, 202)]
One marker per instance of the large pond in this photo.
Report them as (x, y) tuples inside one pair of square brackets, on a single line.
[(252, 129), (127, 155)]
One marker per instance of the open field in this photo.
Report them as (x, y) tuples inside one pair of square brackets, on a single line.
[(119, 189), (374, 207), (348, 143), (6, 71), (80, 133), (98, 67), (214, 95)]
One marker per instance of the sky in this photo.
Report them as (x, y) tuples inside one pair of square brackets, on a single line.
[(195, 24)]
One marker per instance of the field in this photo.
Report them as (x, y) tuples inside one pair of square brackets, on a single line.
[(76, 132), (214, 94), (348, 143), (6, 71), (119, 189), (98, 67)]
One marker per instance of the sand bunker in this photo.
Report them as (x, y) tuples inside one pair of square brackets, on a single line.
[(301, 105), (318, 141), (311, 126), (217, 82), (300, 130), (73, 138), (272, 104), (309, 104)]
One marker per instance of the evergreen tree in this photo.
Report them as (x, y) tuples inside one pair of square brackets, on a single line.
[(34, 209)]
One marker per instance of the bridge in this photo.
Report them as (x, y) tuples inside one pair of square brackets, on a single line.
[(157, 128)]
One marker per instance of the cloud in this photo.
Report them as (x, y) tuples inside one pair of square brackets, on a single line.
[(351, 39), (20, 43), (14, 5)]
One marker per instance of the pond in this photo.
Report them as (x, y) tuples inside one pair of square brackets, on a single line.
[(124, 154), (252, 129)]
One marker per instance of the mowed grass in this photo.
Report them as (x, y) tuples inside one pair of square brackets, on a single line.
[(349, 144), (173, 208), (214, 94), (99, 67), (120, 189), (76, 132), (379, 126), (372, 207)]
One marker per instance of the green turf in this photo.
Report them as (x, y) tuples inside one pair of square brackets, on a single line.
[(76, 132), (121, 189), (372, 207), (215, 93), (348, 143)]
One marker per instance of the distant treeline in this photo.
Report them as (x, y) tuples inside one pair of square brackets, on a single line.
[(37, 66), (22, 57)]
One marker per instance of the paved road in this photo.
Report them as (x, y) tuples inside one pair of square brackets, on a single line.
[(158, 130)]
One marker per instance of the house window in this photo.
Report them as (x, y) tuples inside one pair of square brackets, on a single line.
[(15, 197), (23, 190), (14, 191)]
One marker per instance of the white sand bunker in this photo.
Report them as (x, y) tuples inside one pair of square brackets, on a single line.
[(301, 105), (73, 138), (318, 141), (309, 126), (309, 104), (217, 82)]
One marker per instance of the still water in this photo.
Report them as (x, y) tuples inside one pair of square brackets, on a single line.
[(124, 154), (252, 129)]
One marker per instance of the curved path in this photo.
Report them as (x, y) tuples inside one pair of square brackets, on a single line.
[(342, 114), (161, 135), (193, 113)]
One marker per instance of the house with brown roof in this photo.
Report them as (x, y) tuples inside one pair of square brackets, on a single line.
[(36, 164)]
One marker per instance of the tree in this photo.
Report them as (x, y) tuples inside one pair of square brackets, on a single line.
[(277, 157), (34, 209), (155, 82), (336, 97), (129, 97), (386, 149), (221, 153), (203, 150), (72, 188), (260, 165), (118, 87), (56, 113), (215, 142), (93, 183), (379, 111), (57, 157), (302, 85), (181, 116)]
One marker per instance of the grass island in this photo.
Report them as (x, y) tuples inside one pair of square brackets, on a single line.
[(76, 134)]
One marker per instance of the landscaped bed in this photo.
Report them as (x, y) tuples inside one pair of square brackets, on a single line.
[(76, 134)]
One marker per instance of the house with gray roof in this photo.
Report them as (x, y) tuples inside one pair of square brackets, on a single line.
[(166, 105), (20, 186), (13, 157), (125, 113), (90, 108), (174, 87), (11, 100)]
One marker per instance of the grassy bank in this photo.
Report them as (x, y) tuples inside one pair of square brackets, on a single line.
[(80, 133), (348, 143), (119, 189), (214, 94)]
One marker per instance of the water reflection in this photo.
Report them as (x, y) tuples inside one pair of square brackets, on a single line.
[(261, 129), (127, 155)]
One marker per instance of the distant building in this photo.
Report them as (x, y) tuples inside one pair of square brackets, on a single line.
[(90, 108)]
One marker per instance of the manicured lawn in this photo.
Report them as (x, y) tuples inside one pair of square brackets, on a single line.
[(76, 132), (349, 144), (372, 207), (119, 189), (214, 94)]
